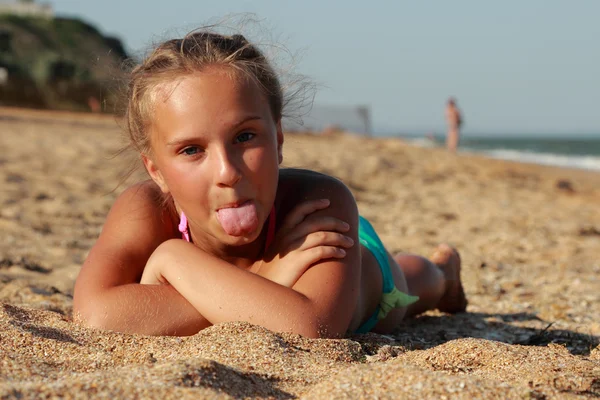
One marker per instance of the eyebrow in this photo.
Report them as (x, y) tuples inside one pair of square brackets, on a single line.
[(179, 141)]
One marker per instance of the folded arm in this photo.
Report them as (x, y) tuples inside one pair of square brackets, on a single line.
[(107, 292), (320, 304)]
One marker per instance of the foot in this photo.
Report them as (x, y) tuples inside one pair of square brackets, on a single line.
[(448, 260)]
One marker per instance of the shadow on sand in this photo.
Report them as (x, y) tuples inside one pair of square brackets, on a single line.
[(428, 331)]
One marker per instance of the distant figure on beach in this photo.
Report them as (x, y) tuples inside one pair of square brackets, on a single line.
[(220, 232), (454, 120)]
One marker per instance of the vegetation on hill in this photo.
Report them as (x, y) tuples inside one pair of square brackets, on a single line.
[(58, 63)]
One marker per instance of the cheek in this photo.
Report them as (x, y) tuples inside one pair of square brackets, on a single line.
[(265, 173), (263, 160), (175, 175), (185, 181)]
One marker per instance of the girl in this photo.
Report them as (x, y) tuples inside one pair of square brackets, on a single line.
[(221, 233)]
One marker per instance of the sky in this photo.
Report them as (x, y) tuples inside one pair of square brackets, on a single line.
[(515, 67)]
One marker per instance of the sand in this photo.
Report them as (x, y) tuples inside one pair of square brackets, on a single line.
[(529, 238)]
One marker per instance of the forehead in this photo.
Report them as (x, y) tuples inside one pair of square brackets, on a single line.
[(206, 102)]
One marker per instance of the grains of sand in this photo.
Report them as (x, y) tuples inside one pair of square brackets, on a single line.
[(531, 272)]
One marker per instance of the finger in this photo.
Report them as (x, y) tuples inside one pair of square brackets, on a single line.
[(320, 253), (297, 215), (316, 239), (315, 224)]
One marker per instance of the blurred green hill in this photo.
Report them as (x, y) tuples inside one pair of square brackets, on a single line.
[(57, 63)]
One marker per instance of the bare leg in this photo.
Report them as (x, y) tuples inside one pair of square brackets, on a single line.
[(452, 139), (436, 282)]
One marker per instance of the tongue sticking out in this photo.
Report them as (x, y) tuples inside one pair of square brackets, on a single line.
[(239, 220)]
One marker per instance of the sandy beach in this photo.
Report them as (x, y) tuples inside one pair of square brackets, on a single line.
[(529, 238)]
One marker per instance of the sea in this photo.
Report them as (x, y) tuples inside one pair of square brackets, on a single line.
[(572, 152)]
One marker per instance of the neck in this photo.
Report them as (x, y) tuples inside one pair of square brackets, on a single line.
[(243, 256)]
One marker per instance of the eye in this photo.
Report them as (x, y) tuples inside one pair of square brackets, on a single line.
[(244, 137), (191, 151)]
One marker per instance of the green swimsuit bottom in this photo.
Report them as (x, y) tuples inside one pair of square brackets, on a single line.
[(391, 297)]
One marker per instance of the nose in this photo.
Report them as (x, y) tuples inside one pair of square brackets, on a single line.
[(227, 172)]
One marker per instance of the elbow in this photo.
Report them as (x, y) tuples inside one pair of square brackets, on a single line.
[(90, 317), (319, 333), (90, 308), (316, 329), (311, 322)]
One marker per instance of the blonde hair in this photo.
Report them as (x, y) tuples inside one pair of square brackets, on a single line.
[(193, 53)]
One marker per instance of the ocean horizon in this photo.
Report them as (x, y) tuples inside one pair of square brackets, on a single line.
[(571, 151)]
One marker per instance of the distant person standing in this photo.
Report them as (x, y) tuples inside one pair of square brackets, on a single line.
[(454, 120)]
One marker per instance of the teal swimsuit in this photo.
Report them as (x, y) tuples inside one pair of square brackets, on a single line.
[(391, 297)]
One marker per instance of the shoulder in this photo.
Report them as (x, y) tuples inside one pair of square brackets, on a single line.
[(139, 220), (299, 185), (306, 182), (303, 184), (146, 191), (144, 204), (136, 225)]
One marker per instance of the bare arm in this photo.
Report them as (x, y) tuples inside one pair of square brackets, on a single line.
[(320, 304), (107, 291)]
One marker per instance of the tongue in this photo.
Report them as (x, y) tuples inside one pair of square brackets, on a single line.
[(239, 220)]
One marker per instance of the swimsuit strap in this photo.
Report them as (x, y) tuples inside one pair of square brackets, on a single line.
[(185, 232), (183, 227)]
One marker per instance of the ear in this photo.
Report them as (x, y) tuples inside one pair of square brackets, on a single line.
[(279, 141), (155, 173)]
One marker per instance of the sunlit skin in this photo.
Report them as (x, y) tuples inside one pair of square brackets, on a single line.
[(216, 145)]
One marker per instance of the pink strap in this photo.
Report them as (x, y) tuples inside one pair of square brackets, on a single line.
[(185, 232), (183, 227)]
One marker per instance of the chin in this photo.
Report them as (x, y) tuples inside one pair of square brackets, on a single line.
[(241, 240)]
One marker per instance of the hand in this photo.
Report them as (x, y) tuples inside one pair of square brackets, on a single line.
[(302, 241)]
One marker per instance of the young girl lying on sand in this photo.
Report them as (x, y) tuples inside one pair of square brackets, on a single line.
[(221, 233)]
